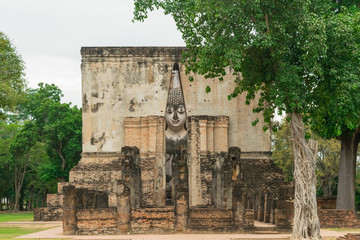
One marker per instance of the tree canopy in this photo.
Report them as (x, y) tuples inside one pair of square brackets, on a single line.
[(40, 143), (278, 50), (12, 81)]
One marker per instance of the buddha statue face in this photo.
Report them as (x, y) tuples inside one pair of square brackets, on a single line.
[(175, 116)]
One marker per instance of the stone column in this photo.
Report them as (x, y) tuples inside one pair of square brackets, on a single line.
[(123, 207), (267, 207), (195, 194), (256, 205), (159, 171), (203, 133), (70, 210), (221, 134), (238, 205), (182, 194), (261, 207), (132, 173)]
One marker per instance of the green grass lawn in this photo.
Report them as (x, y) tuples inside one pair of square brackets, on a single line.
[(17, 217), (7, 233)]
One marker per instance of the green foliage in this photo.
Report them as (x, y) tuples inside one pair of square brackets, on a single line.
[(275, 45), (293, 52), (7, 133), (12, 81), (327, 164), (338, 115), (282, 150), (57, 125), (38, 146)]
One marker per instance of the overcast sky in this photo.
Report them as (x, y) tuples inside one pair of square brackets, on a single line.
[(48, 34)]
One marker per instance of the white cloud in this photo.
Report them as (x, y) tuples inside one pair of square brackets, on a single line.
[(49, 35)]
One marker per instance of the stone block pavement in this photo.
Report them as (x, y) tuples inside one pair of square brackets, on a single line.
[(56, 232)]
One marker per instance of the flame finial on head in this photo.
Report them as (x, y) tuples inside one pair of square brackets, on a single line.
[(175, 94)]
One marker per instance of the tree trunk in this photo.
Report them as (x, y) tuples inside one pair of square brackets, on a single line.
[(31, 197), (306, 221), (44, 198), (19, 180), (37, 201), (347, 172), (17, 191)]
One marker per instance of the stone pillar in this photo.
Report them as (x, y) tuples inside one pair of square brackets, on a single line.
[(132, 173), (261, 207), (221, 134), (238, 205), (182, 194), (210, 135), (256, 205), (159, 171), (203, 133), (272, 211), (195, 194), (123, 207), (70, 210), (267, 207)]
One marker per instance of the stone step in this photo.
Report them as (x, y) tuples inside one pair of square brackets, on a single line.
[(272, 230), (207, 229), (266, 232), (261, 238)]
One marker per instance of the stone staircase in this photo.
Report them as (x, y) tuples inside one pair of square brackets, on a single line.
[(210, 220), (153, 220), (268, 228)]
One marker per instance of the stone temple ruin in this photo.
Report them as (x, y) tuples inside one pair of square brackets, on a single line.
[(161, 155)]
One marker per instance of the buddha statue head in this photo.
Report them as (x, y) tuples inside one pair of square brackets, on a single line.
[(175, 114)]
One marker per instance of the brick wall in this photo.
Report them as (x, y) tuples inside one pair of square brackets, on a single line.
[(48, 214), (326, 202), (339, 218), (210, 220), (153, 220), (96, 221)]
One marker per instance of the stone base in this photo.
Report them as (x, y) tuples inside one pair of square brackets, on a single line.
[(48, 214)]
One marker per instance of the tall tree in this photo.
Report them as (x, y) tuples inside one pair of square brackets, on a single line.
[(274, 48), (56, 124), (12, 81), (7, 133), (337, 114)]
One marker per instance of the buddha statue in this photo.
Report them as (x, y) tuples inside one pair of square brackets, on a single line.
[(175, 133)]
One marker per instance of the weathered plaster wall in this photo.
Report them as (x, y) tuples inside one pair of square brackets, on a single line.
[(119, 82)]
